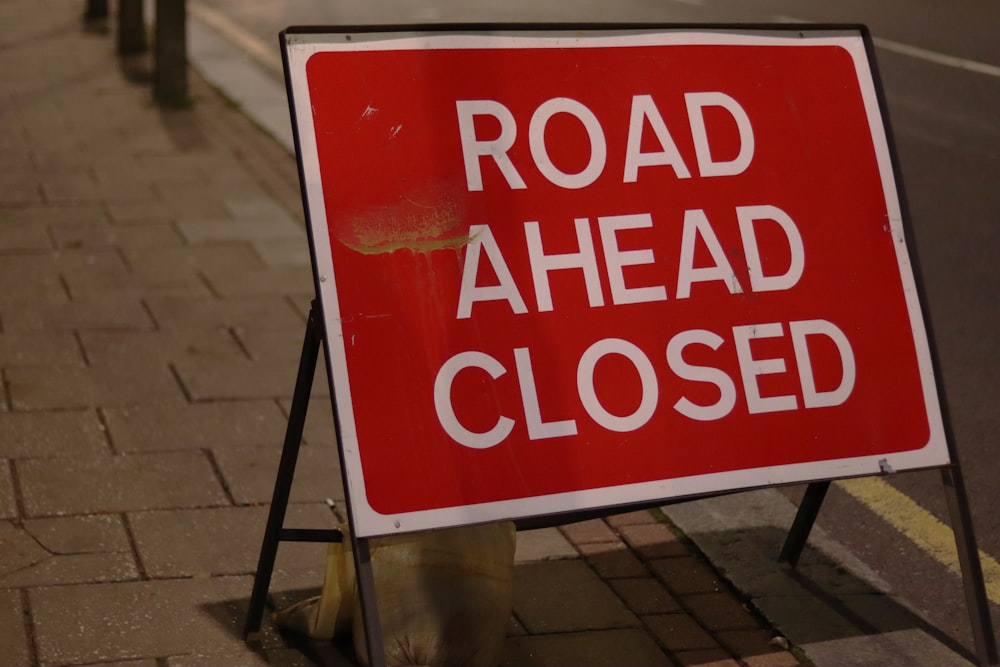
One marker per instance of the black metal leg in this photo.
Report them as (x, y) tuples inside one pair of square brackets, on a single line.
[(286, 471), (972, 570), (803, 523)]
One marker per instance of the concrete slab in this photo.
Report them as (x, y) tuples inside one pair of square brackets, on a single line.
[(566, 596), (607, 648), (75, 485), (135, 620), (150, 428), (13, 637)]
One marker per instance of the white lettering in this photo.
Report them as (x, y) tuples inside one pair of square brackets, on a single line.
[(696, 103), (686, 371), (445, 411), (480, 238), (644, 108), (750, 368), (598, 146), (588, 392), (811, 397), (616, 259), (696, 224), (473, 148), (747, 216), (541, 264)]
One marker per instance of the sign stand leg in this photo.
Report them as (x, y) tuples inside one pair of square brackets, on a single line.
[(972, 570), (803, 523), (273, 532), (369, 603)]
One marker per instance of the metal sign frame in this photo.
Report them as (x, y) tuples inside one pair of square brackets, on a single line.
[(325, 326)]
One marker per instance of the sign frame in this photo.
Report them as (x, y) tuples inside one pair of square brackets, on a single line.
[(300, 44), (323, 329)]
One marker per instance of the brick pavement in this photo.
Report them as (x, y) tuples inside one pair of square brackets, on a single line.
[(155, 282)]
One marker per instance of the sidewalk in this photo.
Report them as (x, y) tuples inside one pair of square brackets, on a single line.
[(155, 283)]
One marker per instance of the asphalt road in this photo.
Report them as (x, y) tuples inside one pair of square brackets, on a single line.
[(940, 66)]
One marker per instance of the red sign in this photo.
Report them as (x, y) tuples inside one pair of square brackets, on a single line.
[(563, 272)]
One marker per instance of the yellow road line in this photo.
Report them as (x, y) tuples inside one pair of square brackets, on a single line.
[(920, 526)]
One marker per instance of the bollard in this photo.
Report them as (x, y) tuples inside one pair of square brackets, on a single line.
[(131, 27), (170, 84), (96, 9)]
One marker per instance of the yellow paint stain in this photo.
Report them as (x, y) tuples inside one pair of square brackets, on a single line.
[(413, 227), (920, 526)]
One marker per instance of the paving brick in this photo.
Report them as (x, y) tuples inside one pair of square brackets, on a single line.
[(148, 428), (588, 532), (139, 213), (158, 347), (134, 620), (652, 540), (542, 544), (324, 653), (88, 286), (777, 659), (101, 233), (38, 348), (13, 636), (222, 540), (645, 595), (606, 648), (679, 632), (27, 278), (283, 253), (19, 549), (221, 231), (613, 559), (720, 611), (257, 208), (280, 346), (74, 569), (192, 201), (253, 313), (69, 186), (32, 237), (748, 641), (250, 473), (80, 534), (269, 281), (8, 506), (631, 519), (566, 596), (106, 312), (118, 483), (687, 575), (70, 387), (20, 189), (48, 433), (238, 379), (707, 658), (235, 258)]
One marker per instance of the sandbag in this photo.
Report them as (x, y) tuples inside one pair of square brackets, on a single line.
[(329, 614), (444, 597)]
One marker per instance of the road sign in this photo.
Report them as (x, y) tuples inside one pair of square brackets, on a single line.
[(581, 269)]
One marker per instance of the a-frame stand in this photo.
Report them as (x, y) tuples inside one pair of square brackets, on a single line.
[(275, 532), (965, 540)]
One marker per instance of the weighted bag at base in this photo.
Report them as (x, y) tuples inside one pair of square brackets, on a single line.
[(326, 615), (444, 597)]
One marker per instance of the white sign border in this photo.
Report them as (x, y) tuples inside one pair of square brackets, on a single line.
[(299, 46)]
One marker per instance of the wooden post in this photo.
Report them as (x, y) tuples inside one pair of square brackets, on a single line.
[(131, 27), (170, 81)]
